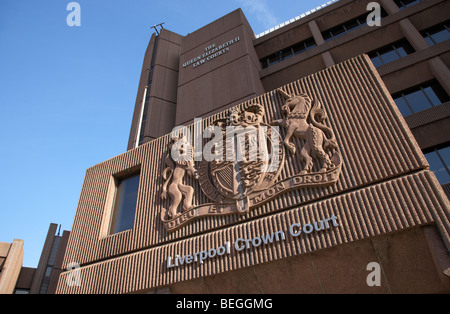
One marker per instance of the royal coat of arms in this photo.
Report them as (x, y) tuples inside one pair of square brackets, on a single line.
[(241, 165)]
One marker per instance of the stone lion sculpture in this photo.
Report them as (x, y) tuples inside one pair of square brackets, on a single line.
[(179, 160)]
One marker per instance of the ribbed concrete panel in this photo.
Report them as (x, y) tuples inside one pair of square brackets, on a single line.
[(375, 193), (375, 210)]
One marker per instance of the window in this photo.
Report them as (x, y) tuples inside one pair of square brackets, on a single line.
[(124, 206), (402, 4), (420, 98), (348, 26), (141, 134), (391, 53), (50, 263), (437, 34), (288, 52), (439, 160), (144, 119), (145, 111), (48, 271)]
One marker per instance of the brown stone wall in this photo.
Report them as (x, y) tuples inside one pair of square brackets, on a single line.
[(210, 85), (164, 51), (384, 187), (432, 126), (359, 221), (341, 269), (143, 81)]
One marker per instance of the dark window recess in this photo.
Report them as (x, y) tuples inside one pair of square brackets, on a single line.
[(50, 264), (144, 117), (420, 98), (391, 52), (439, 160), (402, 4), (287, 52), (2, 262), (348, 26), (147, 98), (437, 33), (144, 113), (124, 207)]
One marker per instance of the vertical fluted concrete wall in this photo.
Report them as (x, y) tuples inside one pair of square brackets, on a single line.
[(384, 186)]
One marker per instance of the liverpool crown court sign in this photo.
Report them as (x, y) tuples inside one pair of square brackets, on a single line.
[(331, 147)]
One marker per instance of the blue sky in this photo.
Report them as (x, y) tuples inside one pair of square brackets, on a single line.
[(67, 95)]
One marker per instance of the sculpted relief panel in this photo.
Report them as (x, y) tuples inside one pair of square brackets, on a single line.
[(174, 174), (241, 166)]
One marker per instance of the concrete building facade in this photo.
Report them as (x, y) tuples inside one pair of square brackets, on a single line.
[(361, 114), (16, 279)]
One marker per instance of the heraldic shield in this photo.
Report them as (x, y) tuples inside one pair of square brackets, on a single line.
[(249, 158)]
